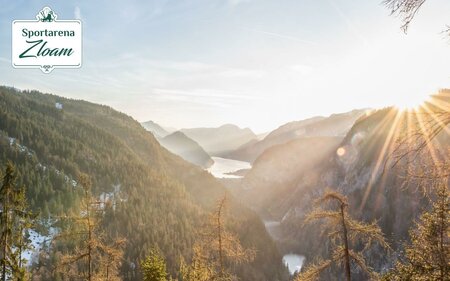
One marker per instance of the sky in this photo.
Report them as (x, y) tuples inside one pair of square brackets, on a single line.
[(253, 63)]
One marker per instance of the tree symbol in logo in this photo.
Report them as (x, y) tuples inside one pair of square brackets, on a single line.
[(46, 15)]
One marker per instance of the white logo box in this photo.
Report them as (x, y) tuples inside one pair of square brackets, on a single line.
[(46, 43)]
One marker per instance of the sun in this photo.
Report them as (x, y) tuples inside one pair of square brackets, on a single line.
[(410, 103)]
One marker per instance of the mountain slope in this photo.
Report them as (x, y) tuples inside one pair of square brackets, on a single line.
[(165, 199), (217, 141), (356, 168), (268, 180), (155, 129), (334, 125), (179, 144)]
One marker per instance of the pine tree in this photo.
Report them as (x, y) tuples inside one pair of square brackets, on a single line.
[(427, 257), (15, 220), (154, 267), (345, 234)]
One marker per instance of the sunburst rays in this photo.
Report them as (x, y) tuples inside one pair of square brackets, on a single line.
[(411, 134)]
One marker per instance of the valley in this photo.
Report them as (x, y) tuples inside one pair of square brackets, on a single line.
[(269, 194), (230, 140)]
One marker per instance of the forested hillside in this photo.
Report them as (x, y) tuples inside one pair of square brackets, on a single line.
[(368, 168), (160, 199)]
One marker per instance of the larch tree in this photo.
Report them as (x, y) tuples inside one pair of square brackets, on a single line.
[(15, 221), (199, 269), (407, 9), (427, 257), (345, 235), (217, 247), (92, 257)]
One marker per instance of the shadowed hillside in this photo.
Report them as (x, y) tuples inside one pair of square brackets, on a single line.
[(179, 144), (164, 198)]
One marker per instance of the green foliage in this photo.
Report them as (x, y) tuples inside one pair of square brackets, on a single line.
[(155, 198), (154, 267), (15, 221), (216, 247), (427, 257), (198, 270), (93, 257)]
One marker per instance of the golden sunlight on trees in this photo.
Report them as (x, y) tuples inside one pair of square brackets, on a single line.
[(345, 235), (154, 267), (419, 145), (216, 249), (427, 257), (90, 255), (199, 270)]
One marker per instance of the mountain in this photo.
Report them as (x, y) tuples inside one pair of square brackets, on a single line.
[(262, 135), (334, 125), (162, 199), (179, 144), (361, 166), (218, 141), (155, 129), (282, 164)]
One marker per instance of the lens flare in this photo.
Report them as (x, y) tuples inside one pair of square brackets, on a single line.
[(340, 151)]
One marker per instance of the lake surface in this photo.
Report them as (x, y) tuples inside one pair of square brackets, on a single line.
[(293, 262), (222, 166)]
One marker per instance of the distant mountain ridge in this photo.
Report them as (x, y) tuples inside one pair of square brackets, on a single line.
[(334, 125), (155, 129), (221, 140), (178, 143)]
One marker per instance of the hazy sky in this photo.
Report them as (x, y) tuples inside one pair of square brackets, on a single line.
[(255, 63)]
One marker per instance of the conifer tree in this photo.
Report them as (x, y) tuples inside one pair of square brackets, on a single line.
[(92, 257), (154, 267), (199, 269), (15, 220), (218, 247), (427, 257), (23, 223), (345, 234)]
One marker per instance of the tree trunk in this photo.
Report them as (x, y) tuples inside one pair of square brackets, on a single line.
[(346, 252), (5, 214), (88, 209), (443, 262), (219, 226)]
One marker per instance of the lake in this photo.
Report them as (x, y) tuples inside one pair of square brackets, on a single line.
[(222, 166), (293, 262)]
